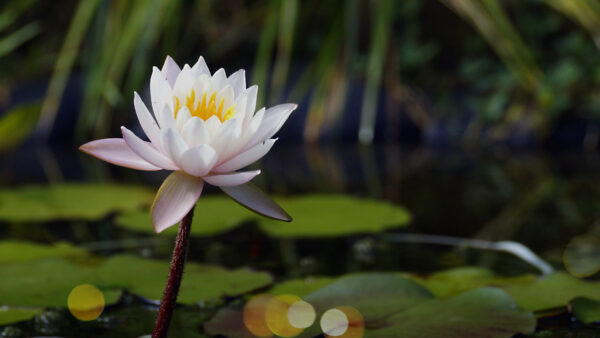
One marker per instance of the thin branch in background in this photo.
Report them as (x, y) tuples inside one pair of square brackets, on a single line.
[(13, 10), (64, 64), (513, 248), (585, 12), (15, 39), (379, 40)]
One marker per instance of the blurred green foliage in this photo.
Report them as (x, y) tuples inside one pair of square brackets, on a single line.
[(500, 64)]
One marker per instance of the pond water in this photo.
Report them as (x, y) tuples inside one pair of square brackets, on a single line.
[(541, 200)]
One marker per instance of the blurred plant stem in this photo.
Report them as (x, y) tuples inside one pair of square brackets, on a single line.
[(584, 12), (379, 40), (266, 44), (64, 64), (285, 42)]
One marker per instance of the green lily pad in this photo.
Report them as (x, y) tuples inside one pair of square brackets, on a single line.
[(335, 215), (17, 124), (10, 315), (484, 312), (214, 215), (552, 291), (20, 252), (147, 278), (586, 310), (301, 287), (393, 306), (69, 201)]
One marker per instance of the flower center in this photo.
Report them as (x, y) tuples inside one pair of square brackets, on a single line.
[(205, 108)]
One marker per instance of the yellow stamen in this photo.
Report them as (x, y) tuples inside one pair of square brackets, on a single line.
[(204, 109)]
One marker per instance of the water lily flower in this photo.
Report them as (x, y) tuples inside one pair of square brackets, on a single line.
[(205, 128)]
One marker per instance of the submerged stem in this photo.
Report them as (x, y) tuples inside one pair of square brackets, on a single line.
[(167, 306)]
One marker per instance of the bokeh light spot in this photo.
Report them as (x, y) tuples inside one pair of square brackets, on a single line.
[(301, 314), (343, 321), (86, 302), (254, 315), (582, 256), (276, 316)]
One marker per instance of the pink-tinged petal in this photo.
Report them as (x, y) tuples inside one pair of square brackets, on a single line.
[(176, 197), (230, 180), (246, 158), (273, 120), (237, 80), (199, 160), (161, 94), (170, 69), (116, 151), (146, 120), (200, 68), (146, 151), (174, 144), (251, 197)]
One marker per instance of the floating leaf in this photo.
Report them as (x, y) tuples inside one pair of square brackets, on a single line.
[(70, 201), (586, 310), (335, 215), (20, 252), (484, 312), (551, 291), (214, 215), (148, 278), (301, 287), (10, 315)]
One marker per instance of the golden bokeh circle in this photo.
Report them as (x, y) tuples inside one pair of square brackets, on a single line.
[(581, 257), (343, 321), (301, 314), (254, 315), (276, 316), (86, 302)]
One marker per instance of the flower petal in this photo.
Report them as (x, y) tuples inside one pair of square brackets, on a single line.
[(183, 115), (184, 83), (166, 119), (194, 132), (237, 80), (174, 144), (199, 160), (251, 197), (146, 151), (230, 180), (116, 151), (176, 197), (200, 68), (170, 70), (161, 94), (221, 139), (146, 121), (247, 157), (219, 79), (272, 121)]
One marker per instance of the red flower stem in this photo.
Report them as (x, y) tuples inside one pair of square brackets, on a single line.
[(167, 306)]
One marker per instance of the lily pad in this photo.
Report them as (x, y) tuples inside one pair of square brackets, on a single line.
[(301, 287), (552, 291), (147, 278), (335, 215), (10, 315), (484, 312), (393, 306), (39, 203), (20, 252), (586, 310), (214, 215)]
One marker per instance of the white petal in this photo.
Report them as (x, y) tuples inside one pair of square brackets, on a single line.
[(184, 83), (254, 199), (237, 80), (176, 197), (170, 69), (161, 94), (200, 68), (146, 151), (219, 79), (166, 119), (174, 144), (273, 120), (227, 94), (221, 139), (199, 160), (252, 93), (183, 115), (213, 124), (230, 180), (116, 151), (146, 120), (246, 158), (194, 132)]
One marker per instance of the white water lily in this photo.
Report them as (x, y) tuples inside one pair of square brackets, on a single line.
[(206, 129)]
